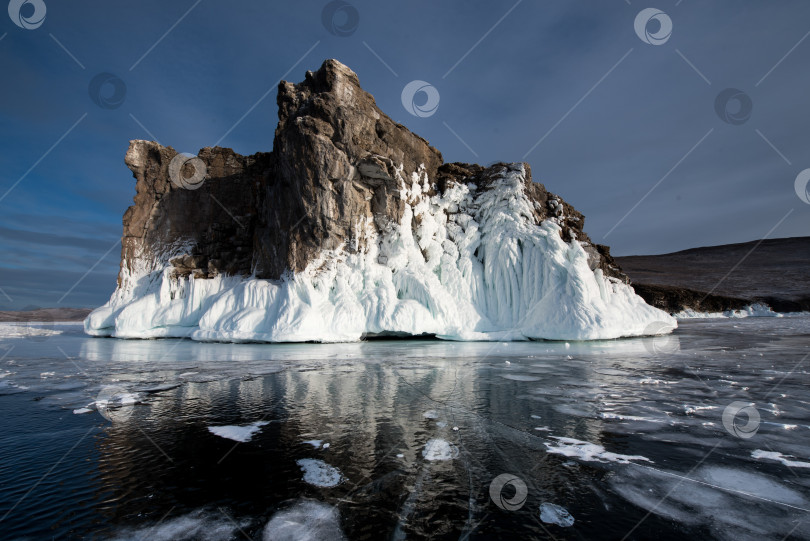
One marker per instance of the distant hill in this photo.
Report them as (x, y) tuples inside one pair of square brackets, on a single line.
[(776, 271), (45, 314)]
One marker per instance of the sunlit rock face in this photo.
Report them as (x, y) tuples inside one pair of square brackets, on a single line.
[(353, 226)]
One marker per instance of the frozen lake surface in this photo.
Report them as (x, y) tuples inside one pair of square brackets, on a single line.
[(703, 434)]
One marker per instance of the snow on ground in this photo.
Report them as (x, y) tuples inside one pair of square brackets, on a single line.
[(467, 265)]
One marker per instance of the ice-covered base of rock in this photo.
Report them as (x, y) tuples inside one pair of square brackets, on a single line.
[(469, 264), (753, 310)]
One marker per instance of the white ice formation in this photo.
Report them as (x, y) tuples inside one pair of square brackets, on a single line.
[(468, 264)]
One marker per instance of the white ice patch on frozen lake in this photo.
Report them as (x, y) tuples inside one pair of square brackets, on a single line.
[(520, 377), (653, 381), (112, 398), (554, 514), (787, 460), (314, 443), (734, 504), (305, 521), (241, 434), (28, 330), (589, 452), (753, 310), (192, 526), (439, 449), (319, 473), (470, 264)]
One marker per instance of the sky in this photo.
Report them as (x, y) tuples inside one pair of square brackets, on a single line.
[(620, 106)]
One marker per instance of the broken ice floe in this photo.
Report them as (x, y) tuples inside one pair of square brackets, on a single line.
[(554, 514), (439, 449), (589, 452), (319, 473), (238, 433), (787, 460)]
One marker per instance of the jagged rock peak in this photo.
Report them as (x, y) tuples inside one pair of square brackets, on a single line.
[(354, 226)]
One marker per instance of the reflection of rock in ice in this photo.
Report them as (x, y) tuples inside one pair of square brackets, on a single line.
[(319, 473), (305, 521), (241, 434), (589, 452), (735, 504), (439, 449), (554, 514), (194, 525)]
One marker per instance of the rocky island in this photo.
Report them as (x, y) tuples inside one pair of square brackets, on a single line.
[(354, 227)]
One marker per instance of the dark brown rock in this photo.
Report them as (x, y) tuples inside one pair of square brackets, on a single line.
[(773, 271), (202, 225), (676, 299), (336, 158)]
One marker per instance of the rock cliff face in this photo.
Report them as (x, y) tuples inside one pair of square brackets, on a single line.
[(205, 231), (344, 185), (334, 160)]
